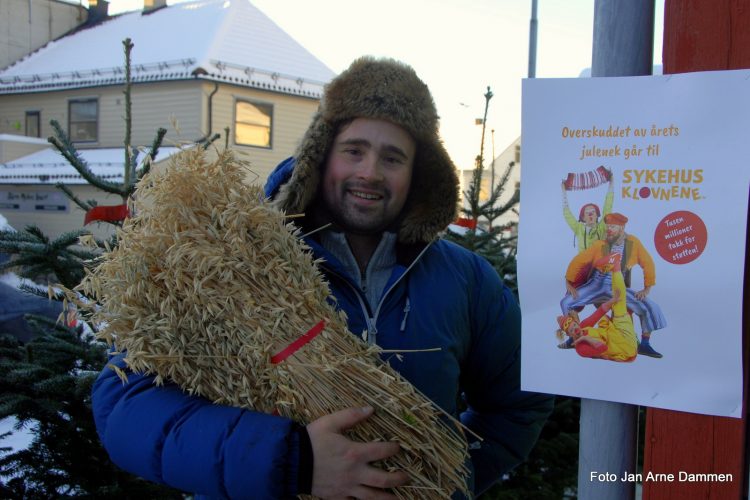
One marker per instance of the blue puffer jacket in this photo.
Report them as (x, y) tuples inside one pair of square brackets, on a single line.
[(439, 295)]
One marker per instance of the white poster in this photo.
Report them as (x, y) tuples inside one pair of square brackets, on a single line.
[(631, 246)]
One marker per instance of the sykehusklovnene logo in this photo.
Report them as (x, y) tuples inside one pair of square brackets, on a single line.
[(662, 184)]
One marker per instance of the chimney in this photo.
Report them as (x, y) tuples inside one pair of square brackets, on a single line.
[(152, 5), (98, 11)]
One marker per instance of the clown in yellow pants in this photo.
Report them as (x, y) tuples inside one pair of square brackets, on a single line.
[(601, 336)]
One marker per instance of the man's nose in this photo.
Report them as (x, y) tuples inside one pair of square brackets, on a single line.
[(370, 168)]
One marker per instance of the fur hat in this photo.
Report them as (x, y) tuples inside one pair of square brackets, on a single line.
[(382, 89)]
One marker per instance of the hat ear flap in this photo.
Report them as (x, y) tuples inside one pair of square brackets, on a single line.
[(433, 198), (296, 195)]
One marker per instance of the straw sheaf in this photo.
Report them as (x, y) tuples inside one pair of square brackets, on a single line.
[(382, 89), (209, 281)]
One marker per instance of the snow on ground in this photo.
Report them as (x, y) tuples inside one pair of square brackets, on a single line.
[(19, 440)]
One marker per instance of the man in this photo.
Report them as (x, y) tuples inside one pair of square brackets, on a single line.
[(597, 286), (588, 228), (601, 336), (372, 165)]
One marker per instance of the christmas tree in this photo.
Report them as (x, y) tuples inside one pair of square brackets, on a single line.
[(494, 241), (551, 472), (45, 383)]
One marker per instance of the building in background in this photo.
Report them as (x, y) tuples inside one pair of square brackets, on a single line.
[(511, 154), (26, 26), (197, 69)]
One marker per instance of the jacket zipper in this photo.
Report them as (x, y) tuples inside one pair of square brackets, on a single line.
[(372, 319), (407, 308)]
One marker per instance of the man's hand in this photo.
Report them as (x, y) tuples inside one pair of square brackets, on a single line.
[(571, 289), (341, 467), (643, 293)]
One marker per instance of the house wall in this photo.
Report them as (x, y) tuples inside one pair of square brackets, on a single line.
[(512, 153), (291, 117), (26, 25), (181, 107), (52, 222), (13, 146), (154, 105)]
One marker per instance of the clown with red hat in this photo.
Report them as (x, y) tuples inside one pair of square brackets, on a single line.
[(588, 227)]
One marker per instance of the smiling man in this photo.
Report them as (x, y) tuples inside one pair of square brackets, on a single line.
[(376, 188), (366, 181)]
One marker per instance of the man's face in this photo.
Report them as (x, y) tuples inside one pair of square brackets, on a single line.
[(574, 330), (614, 232), (367, 175), (589, 216)]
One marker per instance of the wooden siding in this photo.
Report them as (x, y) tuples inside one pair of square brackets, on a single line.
[(291, 117), (52, 223), (154, 105), (158, 104), (702, 35), (19, 36), (183, 104), (10, 150)]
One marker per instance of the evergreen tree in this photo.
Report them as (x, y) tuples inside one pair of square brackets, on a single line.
[(485, 236), (45, 384), (551, 472)]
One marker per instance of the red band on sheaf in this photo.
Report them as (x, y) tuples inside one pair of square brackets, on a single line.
[(297, 344), (106, 213)]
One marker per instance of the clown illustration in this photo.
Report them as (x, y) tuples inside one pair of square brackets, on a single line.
[(588, 228), (601, 335)]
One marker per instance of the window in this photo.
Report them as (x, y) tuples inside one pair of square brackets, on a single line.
[(33, 119), (252, 124), (83, 120)]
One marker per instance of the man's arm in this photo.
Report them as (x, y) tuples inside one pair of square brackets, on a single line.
[(164, 435), (567, 214), (647, 264), (609, 198), (508, 419)]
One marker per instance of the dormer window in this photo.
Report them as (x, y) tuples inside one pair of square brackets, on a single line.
[(83, 120), (252, 124)]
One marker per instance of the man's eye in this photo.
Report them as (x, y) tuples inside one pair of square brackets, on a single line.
[(395, 160), (353, 151)]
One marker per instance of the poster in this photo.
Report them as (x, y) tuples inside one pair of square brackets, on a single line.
[(668, 159)]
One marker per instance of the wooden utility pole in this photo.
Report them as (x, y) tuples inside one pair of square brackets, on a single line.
[(702, 35)]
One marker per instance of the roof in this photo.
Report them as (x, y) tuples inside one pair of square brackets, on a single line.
[(48, 166), (219, 40)]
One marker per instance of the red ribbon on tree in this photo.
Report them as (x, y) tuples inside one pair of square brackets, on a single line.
[(106, 213), (466, 222), (297, 344)]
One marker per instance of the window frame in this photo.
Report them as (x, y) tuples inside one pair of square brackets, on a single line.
[(38, 115), (260, 104), (71, 103)]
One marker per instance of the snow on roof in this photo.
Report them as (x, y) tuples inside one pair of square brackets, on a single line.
[(221, 40), (49, 167), (23, 139)]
